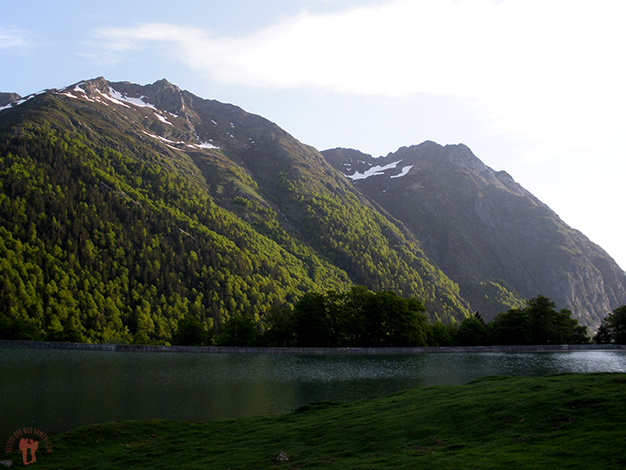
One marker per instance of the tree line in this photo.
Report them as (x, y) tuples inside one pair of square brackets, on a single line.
[(362, 318)]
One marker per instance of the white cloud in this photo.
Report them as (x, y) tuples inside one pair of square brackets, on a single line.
[(461, 47), (546, 68), (539, 57), (12, 38), (549, 71)]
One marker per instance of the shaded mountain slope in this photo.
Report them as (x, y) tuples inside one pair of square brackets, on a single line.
[(486, 232)]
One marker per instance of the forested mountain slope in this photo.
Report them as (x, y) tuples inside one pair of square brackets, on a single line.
[(124, 208), (486, 232)]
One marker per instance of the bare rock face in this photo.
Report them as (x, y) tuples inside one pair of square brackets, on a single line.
[(487, 232), (6, 98), (162, 94)]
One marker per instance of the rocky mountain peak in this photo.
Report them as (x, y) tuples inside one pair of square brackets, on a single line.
[(92, 87), (461, 156), (162, 94), (6, 98)]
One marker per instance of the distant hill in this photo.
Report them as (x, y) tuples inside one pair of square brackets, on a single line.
[(487, 233), (124, 208)]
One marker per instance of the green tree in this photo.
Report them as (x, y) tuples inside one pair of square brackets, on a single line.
[(538, 323), (312, 323), (359, 318), (546, 324), (192, 332), (613, 327), (438, 334), (472, 332), (357, 302), (603, 335), (392, 321), (279, 332), (20, 329), (509, 328), (239, 331)]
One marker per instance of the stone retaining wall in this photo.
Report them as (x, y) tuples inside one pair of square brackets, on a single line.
[(307, 351)]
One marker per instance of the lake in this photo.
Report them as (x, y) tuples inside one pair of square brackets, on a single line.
[(55, 390)]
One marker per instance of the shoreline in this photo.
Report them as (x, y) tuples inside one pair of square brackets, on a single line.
[(308, 351)]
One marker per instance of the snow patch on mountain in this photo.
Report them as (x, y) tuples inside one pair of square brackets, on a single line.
[(162, 118), (172, 143), (116, 97), (169, 143), (405, 171), (373, 171), (119, 98), (204, 146)]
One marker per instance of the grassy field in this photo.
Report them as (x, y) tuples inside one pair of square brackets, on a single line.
[(556, 422)]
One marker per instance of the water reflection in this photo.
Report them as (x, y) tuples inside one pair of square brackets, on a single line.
[(55, 390)]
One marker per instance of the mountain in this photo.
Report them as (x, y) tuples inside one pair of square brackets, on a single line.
[(125, 208), (486, 232)]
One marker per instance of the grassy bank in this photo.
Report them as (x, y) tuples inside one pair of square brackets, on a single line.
[(563, 421)]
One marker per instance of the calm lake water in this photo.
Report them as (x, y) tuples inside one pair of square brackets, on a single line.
[(55, 390)]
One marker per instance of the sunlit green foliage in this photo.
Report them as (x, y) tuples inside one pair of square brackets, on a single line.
[(490, 297), (97, 246)]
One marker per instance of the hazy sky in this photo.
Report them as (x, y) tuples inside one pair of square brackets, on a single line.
[(533, 87)]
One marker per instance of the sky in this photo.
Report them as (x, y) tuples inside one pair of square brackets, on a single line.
[(533, 87)]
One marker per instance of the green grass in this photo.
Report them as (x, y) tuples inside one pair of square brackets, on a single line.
[(571, 421)]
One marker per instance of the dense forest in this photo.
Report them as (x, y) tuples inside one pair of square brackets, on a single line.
[(99, 247)]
